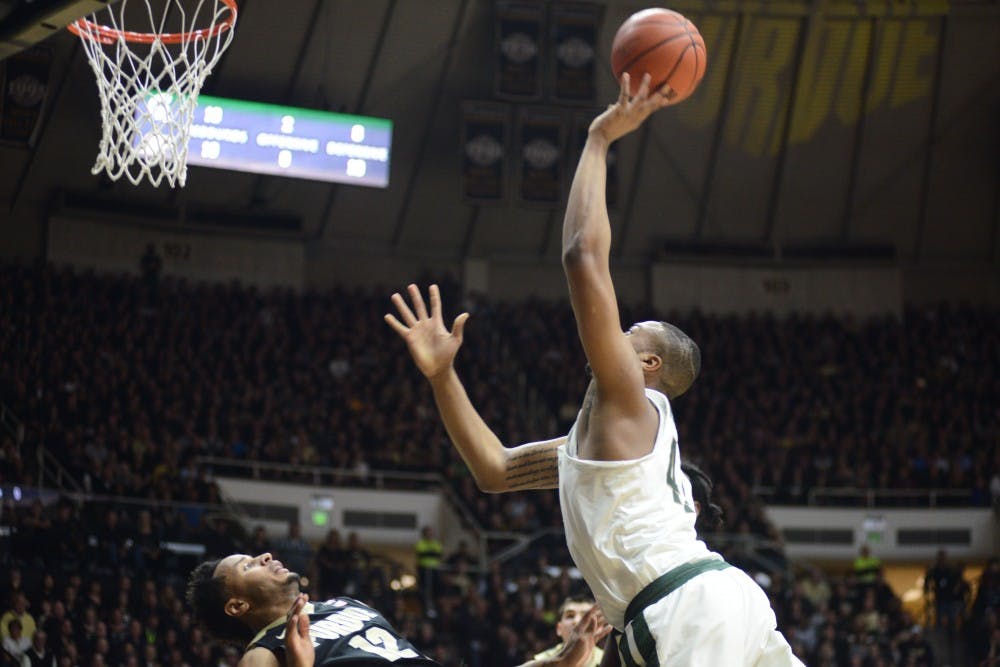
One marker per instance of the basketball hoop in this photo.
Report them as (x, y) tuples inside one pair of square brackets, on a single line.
[(149, 81)]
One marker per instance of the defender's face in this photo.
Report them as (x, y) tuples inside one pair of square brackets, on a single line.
[(254, 577), (572, 613)]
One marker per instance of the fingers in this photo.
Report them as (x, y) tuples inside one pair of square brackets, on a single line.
[(297, 606), (644, 87), (435, 302), (665, 96), (303, 625), (396, 325), (418, 301), (404, 310), (623, 94), (458, 328)]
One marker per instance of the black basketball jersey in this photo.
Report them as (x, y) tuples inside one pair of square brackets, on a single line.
[(347, 632)]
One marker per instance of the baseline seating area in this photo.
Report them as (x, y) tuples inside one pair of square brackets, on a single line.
[(126, 382)]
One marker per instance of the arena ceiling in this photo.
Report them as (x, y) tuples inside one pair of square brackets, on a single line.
[(846, 127)]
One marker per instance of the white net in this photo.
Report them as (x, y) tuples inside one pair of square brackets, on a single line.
[(151, 58)]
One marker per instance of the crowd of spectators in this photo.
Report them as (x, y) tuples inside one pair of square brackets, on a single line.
[(82, 588), (127, 382)]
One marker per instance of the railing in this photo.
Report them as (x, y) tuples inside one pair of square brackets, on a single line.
[(211, 509), (319, 475), (328, 476), (849, 496), (49, 465), (11, 423)]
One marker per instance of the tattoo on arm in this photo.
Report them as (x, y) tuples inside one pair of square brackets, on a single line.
[(537, 468)]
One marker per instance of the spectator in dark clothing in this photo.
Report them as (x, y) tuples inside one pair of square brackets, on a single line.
[(295, 551), (217, 539), (151, 264), (359, 561), (331, 565), (461, 555), (944, 580), (38, 654), (259, 541), (988, 592)]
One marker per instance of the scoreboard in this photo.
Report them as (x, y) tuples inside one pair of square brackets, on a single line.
[(288, 141)]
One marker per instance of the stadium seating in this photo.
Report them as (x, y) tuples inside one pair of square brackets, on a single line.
[(125, 384)]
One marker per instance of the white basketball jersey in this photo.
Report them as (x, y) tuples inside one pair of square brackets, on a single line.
[(628, 522)]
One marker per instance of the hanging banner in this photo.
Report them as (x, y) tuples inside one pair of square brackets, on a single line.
[(517, 47), (25, 83), (485, 131), (541, 141), (574, 49), (581, 124)]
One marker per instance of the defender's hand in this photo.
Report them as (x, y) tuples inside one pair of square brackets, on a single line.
[(590, 631), (298, 644), (628, 113), (431, 345)]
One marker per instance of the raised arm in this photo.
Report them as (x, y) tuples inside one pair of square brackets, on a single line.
[(586, 250), (495, 467)]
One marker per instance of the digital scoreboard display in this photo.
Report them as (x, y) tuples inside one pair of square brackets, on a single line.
[(288, 141)]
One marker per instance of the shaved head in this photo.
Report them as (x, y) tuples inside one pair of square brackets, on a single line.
[(680, 355)]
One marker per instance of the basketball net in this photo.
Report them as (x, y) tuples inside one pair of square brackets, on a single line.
[(148, 82)]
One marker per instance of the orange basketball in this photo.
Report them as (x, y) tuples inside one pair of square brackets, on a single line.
[(664, 44)]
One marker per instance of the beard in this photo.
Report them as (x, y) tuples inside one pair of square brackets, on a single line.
[(292, 581)]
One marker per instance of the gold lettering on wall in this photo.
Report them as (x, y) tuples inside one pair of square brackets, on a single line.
[(886, 58), (847, 101), (822, 60), (915, 74), (835, 61), (757, 97), (719, 32)]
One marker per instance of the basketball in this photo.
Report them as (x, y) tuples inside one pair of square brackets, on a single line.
[(663, 44)]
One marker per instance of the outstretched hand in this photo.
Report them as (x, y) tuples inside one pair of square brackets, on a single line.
[(590, 631), (629, 112), (432, 346), (298, 644)]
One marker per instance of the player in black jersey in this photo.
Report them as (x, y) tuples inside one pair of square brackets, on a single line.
[(256, 600)]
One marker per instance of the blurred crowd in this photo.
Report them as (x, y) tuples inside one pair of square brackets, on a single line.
[(126, 382), (94, 584)]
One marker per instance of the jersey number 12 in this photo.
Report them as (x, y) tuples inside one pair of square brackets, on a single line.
[(381, 643)]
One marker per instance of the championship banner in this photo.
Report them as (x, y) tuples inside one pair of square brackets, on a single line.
[(485, 129), (541, 141), (25, 81), (574, 50), (581, 124), (517, 46)]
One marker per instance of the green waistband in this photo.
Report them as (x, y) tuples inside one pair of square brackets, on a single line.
[(667, 583)]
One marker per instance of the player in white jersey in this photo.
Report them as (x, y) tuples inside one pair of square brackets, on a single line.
[(627, 506)]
